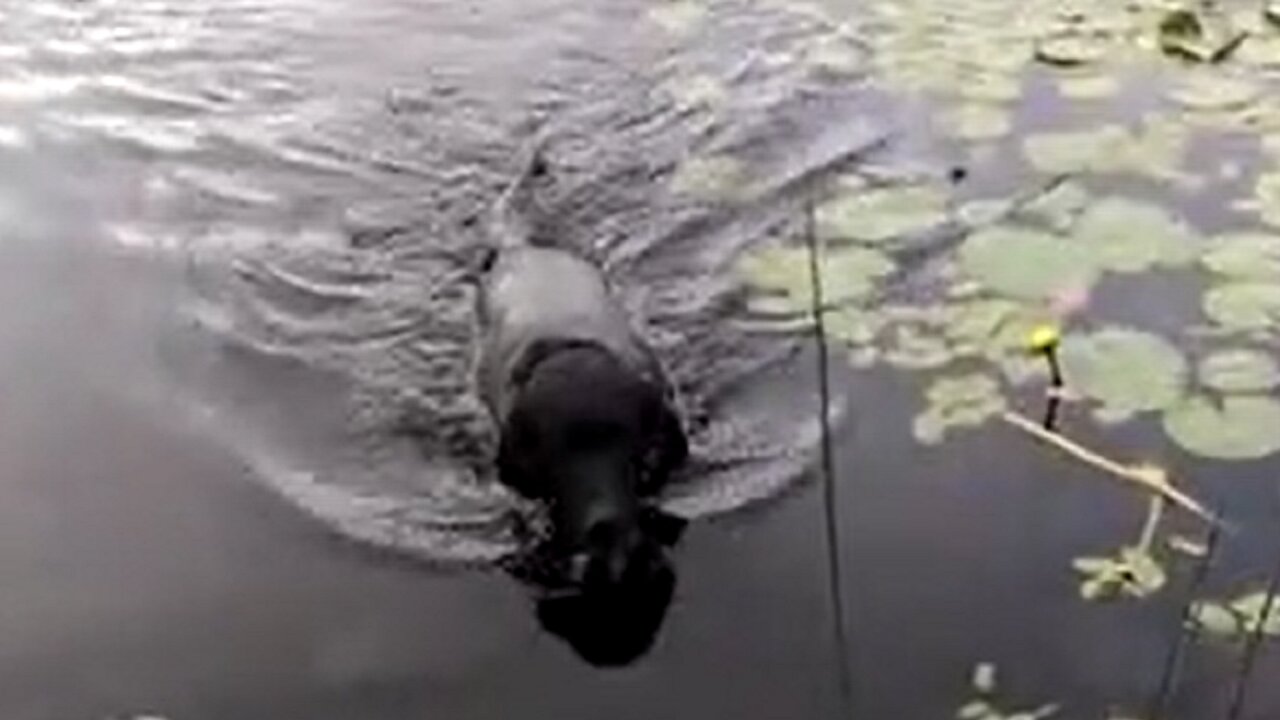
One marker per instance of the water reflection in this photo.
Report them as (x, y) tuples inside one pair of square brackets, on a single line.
[(608, 622)]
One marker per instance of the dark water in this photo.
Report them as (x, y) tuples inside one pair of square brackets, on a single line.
[(232, 325)]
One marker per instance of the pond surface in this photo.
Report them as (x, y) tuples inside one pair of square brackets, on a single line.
[(243, 473)]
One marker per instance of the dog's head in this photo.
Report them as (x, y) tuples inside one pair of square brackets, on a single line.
[(593, 440)]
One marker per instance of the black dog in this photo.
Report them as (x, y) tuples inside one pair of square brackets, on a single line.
[(587, 426)]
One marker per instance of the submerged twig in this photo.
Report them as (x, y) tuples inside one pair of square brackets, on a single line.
[(1254, 641), (1147, 477), (1187, 630)]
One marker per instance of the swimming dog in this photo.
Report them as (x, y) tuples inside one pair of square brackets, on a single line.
[(587, 425)]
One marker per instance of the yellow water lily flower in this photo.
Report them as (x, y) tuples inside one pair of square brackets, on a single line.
[(1044, 338)]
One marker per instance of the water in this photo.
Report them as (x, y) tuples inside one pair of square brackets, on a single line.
[(235, 349)]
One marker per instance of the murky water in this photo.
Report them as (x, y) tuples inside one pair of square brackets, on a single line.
[(237, 336)]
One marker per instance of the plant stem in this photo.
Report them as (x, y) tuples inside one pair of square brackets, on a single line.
[(1140, 476)]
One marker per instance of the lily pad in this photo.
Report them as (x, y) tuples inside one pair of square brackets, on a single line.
[(1240, 371), (957, 402), (977, 122), (1242, 427), (879, 215), (1059, 208), (711, 177), (1244, 305), (1025, 263), (680, 16), (1127, 371), (1245, 256), (1088, 87), (1198, 35), (984, 678), (1126, 235), (1133, 573), (847, 274), (1071, 49), (1267, 196), (1215, 619), (1072, 152), (1258, 612), (1205, 92)]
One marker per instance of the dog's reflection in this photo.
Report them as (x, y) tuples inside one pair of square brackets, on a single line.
[(609, 598)]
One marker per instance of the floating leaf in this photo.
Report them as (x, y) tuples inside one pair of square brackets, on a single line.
[(977, 122), (847, 274), (1059, 208), (915, 351), (976, 710), (1267, 195), (1128, 371), (1070, 49), (1243, 427), (1258, 612), (984, 678), (1088, 87), (1245, 256), (1244, 305), (1127, 235), (958, 402), (1240, 371), (1025, 263), (854, 326), (1212, 92), (1133, 573), (1199, 36), (882, 214), (679, 16), (1214, 618), (712, 177), (1072, 152)]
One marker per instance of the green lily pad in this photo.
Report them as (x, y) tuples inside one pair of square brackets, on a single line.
[(1211, 92), (849, 273), (853, 325), (1258, 612), (1125, 235), (1133, 573), (1215, 619), (914, 350), (957, 402), (983, 679), (1025, 263), (1127, 371), (977, 122), (1088, 87), (1244, 305), (1242, 427), (1198, 35), (680, 16), (1073, 152), (1245, 256), (1267, 196), (1240, 371), (977, 710), (978, 322), (1071, 49), (1059, 208), (711, 177), (879, 215), (991, 87)]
